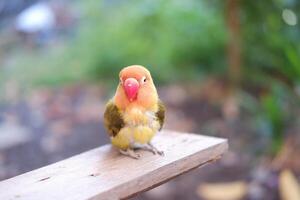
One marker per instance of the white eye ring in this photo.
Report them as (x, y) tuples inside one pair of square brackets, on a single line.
[(143, 79), (121, 81)]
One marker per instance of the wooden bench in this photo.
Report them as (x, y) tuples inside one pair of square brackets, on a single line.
[(103, 173)]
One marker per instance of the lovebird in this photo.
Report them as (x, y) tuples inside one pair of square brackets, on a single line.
[(135, 113)]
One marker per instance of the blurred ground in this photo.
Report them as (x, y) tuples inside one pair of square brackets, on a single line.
[(49, 125)]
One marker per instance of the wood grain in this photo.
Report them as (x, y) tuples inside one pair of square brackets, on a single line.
[(103, 173)]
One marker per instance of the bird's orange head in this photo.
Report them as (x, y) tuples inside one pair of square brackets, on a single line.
[(136, 87)]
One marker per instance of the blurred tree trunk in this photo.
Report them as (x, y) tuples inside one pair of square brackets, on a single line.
[(230, 107), (233, 48)]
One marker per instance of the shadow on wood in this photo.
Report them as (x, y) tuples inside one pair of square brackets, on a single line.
[(103, 173)]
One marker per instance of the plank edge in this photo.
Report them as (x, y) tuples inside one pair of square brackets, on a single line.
[(222, 146)]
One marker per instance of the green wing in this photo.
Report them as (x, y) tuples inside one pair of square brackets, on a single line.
[(160, 114), (113, 121)]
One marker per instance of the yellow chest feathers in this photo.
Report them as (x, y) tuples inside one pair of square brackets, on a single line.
[(140, 127), (136, 117)]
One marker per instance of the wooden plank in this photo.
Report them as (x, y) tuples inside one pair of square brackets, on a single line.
[(103, 173)]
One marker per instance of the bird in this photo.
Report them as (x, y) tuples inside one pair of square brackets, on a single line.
[(135, 113)]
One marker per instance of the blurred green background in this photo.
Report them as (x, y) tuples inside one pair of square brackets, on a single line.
[(225, 68)]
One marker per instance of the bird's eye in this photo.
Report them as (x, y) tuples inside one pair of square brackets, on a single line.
[(143, 80), (121, 81)]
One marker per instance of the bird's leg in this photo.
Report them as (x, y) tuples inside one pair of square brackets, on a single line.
[(145, 147), (130, 153), (148, 147), (161, 153)]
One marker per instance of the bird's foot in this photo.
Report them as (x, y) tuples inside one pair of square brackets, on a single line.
[(130, 153), (159, 152), (149, 147)]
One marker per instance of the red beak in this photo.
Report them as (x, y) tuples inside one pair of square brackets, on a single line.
[(131, 86)]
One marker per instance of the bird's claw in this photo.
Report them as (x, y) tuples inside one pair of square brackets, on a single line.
[(147, 147), (130, 153), (161, 153), (154, 150)]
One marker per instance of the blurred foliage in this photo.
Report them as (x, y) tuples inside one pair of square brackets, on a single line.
[(177, 40), (174, 39), (271, 50), (271, 46), (274, 116)]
